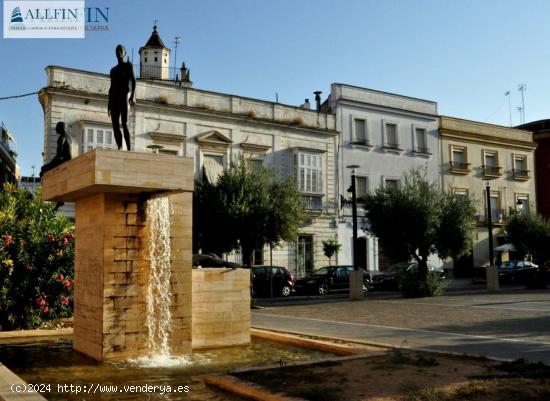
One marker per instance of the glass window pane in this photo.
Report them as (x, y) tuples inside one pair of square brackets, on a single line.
[(359, 130), (90, 136), (490, 160), (361, 186), (99, 136), (519, 164), (391, 134), (420, 139), (458, 156), (108, 137)]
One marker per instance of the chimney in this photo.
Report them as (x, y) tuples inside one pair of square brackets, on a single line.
[(318, 100)]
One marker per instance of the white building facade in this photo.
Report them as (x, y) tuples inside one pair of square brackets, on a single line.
[(214, 129), (386, 135)]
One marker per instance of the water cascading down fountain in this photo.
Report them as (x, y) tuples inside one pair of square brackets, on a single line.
[(159, 297)]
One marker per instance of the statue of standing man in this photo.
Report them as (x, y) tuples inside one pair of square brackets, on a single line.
[(122, 75)]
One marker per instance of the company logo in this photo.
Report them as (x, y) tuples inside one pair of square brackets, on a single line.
[(16, 15), (52, 19)]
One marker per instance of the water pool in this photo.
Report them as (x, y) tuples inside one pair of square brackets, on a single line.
[(54, 362)]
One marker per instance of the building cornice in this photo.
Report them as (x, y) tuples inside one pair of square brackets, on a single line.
[(377, 107), (195, 111), (470, 137)]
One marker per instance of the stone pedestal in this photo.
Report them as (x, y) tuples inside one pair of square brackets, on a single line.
[(109, 189), (356, 285), (491, 274)]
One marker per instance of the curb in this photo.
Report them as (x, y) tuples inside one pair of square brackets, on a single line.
[(246, 389)]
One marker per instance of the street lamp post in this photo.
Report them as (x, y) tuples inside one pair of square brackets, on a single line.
[(492, 276), (356, 277)]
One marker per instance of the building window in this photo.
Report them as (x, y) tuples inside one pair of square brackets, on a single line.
[(461, 192), (490, 163), (361, 186), (391, 138), (309, 176), (145, 59), (213, 166), (420, 141), (156, 59), (97, 138), (520, 171), (459, 160), (255, 164), (359, 134), (522, 203), (310, 173), (496, 211), (392, 183)]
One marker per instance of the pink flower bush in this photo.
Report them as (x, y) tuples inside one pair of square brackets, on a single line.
[(7, 239), (36, 261)]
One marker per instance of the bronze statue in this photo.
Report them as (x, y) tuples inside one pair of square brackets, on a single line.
[(122, 75), (63, 152)]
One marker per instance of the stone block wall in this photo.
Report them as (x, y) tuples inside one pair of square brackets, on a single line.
[(221, 307), (111, 275)]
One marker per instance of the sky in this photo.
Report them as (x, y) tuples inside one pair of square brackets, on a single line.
[(462, 54)]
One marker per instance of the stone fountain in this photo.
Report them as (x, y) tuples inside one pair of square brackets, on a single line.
[(134, 283)]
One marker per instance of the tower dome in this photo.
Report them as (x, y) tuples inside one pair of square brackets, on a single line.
[(154, 58)]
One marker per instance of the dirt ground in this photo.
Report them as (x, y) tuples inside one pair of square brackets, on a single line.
[(409, 376)]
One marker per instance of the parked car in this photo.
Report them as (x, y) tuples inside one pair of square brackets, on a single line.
[(389, 278), (516, 271), (328, 279), (263, 277)]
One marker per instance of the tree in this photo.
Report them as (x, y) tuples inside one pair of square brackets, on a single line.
[(419, 220), (245, 208), (330, 248), (36, 261), (530, 235)]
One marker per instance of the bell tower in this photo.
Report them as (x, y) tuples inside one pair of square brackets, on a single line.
[(154, 58)]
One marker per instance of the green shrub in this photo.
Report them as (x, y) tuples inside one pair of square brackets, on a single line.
[(36, 261), (412, 287)]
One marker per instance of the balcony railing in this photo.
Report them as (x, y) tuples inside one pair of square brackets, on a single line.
[(459, 167), (520, 174), (491, 171), (157, 72), (313, 202)]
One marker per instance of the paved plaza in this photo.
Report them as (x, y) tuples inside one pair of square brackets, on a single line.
[(508, 324)]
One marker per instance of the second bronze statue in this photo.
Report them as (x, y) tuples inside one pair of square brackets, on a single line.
[(122, 77)]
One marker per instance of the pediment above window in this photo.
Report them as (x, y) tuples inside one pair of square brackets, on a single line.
[(213, 139), (167, 138), (255, 148)]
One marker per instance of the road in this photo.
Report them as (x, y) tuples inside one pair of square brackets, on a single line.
[(509, 324)]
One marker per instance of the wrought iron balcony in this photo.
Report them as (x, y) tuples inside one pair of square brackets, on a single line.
[(520, 174), (459, 167), (491, 171)]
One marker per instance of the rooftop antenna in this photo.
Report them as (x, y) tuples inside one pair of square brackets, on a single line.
[(32, 185), (276, 97), (507, 93), (177, 40), (520, 111), (522, 88)]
